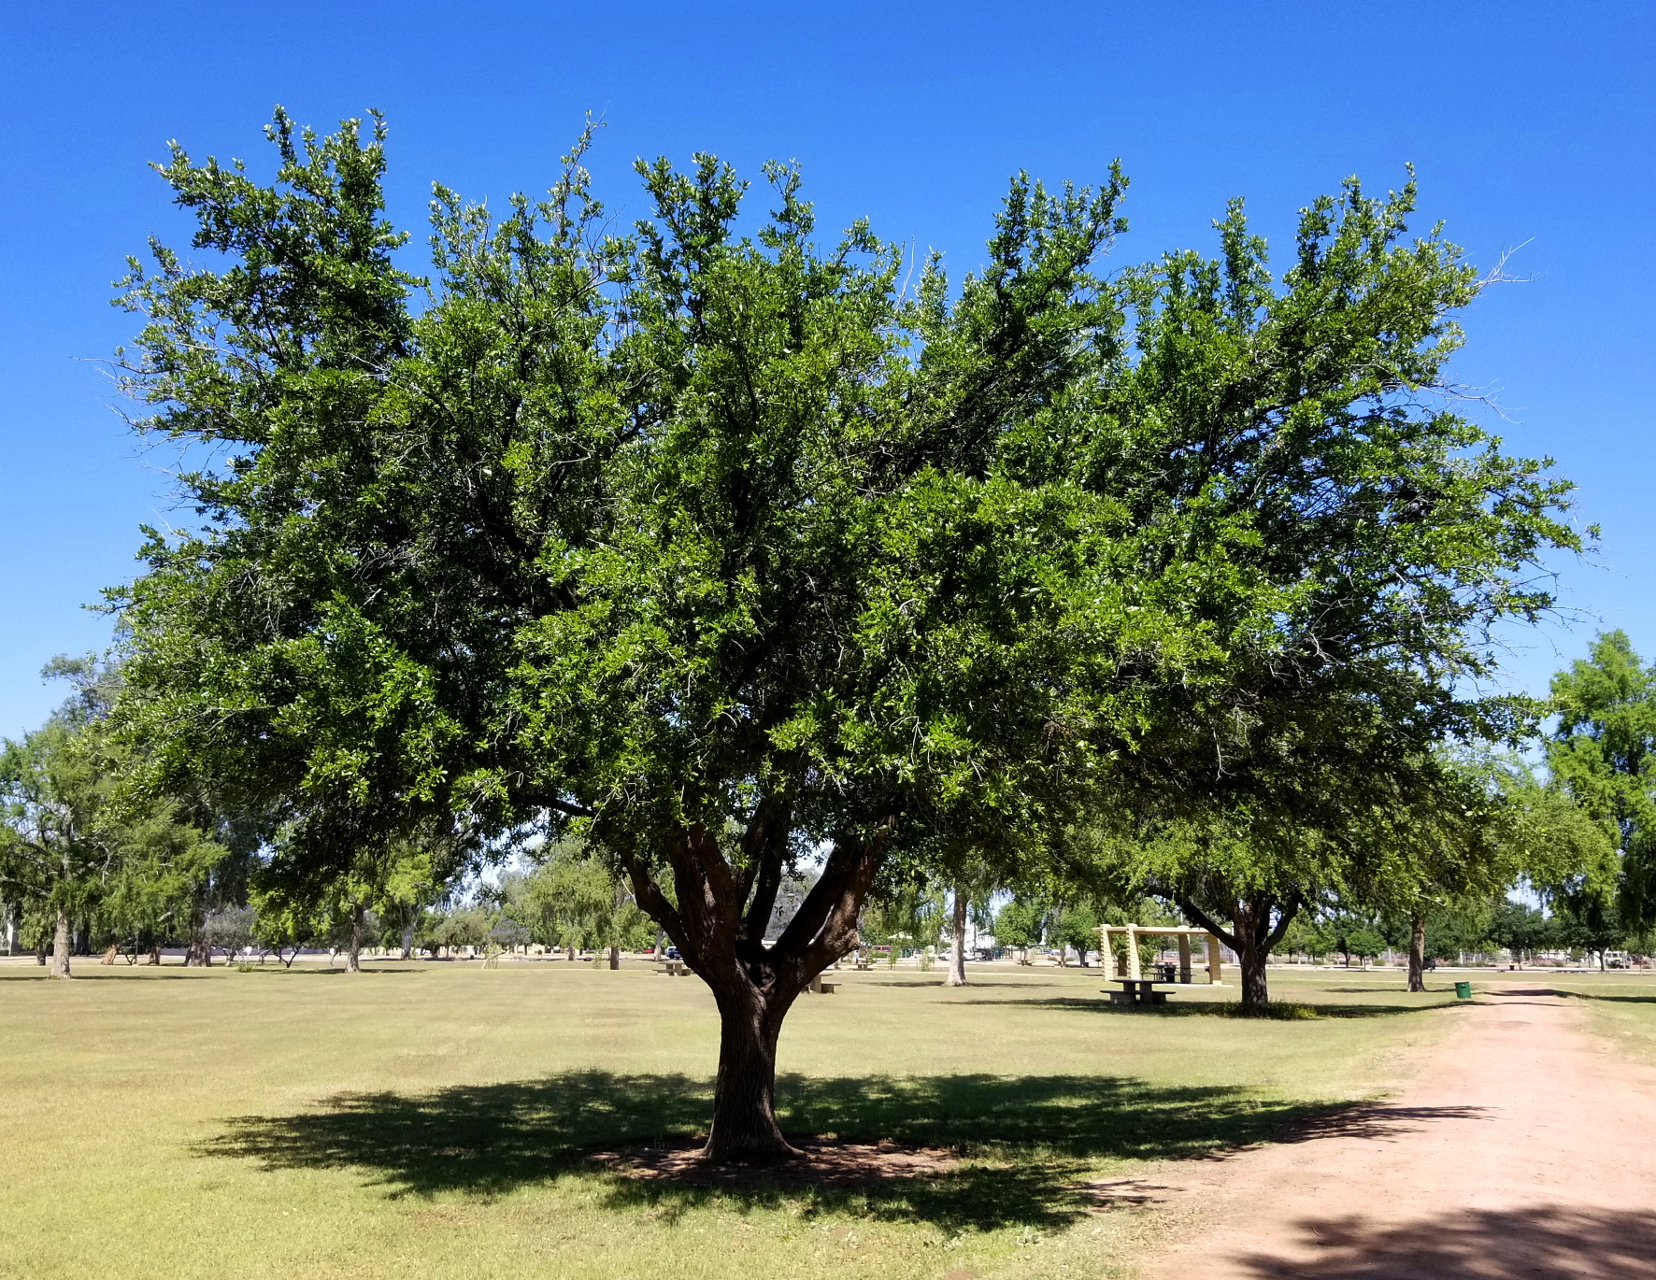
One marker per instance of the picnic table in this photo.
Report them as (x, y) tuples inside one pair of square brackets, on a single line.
[(674, 968), (1137, 991), (822, 988)]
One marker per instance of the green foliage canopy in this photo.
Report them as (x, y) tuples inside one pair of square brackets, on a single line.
[(728, 548), (70, 849), (1602, 753)]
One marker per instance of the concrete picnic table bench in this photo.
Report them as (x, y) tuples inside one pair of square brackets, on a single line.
[(674, 968), (1137, 991)]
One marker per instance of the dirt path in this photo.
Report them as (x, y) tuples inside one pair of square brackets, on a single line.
[(1526, 1148)]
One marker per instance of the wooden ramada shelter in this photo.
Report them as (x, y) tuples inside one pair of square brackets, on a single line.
[(1184, 933)]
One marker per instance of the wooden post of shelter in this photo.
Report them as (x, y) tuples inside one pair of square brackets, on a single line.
[(1184, 957), (1213, 959), (1132, 952)]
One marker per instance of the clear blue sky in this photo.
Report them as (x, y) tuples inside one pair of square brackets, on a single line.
[(1528, 125)]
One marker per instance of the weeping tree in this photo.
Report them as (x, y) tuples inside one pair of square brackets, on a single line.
[(717, 549), (574, 899)]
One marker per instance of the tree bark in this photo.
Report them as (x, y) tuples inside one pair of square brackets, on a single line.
[(1417, 952), (614, 956), (407, 942), (353, 945), (957, 962), (197, 954), (60, 946), (1250, 959), (744, 1129)]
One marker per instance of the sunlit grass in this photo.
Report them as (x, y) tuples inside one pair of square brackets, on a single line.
[(1620, 1005), (433, 1119)]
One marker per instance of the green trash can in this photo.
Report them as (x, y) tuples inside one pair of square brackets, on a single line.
[(1463, 991)]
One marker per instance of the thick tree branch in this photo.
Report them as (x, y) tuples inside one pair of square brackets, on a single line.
[(764, 897), (825, 925), (1285, 917), (653, 902), (1193, 912)]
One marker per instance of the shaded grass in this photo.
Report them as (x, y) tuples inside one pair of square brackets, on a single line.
[(1275, 1011), (1026, 1139)]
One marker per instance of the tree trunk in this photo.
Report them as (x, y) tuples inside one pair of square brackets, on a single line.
[(198, 955), (718, 917), (60, 946), (407, 942), (1251, 936), (353, 946), (744, 1127), (1063, 949), (571, 953), (614, 956), (1417, 952), (1250, 959), (957, 962)]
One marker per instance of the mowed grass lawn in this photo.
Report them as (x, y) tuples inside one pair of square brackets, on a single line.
[(435, 1119)]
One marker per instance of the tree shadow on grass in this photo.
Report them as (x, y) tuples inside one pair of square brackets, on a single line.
[(177, 973), (1026, 1145), (931, 982), (1540, 1241), (1284, 1010), (1568, 993), (140, 972), (321, 971)]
